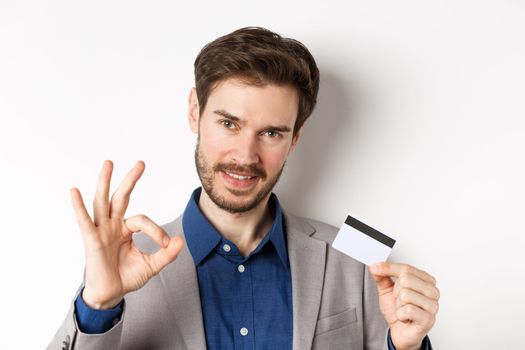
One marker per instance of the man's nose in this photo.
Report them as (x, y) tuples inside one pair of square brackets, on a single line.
[(246, 150)]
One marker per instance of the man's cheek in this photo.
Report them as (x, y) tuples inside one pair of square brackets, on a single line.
[(276, 161), (213, 145)]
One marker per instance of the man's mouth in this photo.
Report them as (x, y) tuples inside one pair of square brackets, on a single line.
[(240, 176), (239, 181)]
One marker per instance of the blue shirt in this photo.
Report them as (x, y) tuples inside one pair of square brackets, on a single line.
[(246, 301)]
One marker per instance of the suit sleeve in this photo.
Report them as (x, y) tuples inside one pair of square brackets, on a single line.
[(94, 321), (70, 337)]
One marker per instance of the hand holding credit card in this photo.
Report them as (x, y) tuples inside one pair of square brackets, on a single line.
[(408, 304), (362, 242)]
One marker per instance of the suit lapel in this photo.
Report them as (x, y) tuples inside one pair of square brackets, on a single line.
[(307, 262), (182, 293)]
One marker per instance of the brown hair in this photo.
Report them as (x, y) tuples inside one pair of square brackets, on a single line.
[(259, 56)]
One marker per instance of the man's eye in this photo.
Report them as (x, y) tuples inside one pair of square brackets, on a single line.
[(227, 124), (273, 133)]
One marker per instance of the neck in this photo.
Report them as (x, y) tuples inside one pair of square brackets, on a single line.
[(245, 230)]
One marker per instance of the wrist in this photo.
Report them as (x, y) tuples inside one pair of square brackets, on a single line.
[(99, 304), (401, 347)]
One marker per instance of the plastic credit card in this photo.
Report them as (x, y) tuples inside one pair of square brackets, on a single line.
[(363, 242)]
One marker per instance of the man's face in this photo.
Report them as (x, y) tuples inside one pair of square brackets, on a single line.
[(245, 135)]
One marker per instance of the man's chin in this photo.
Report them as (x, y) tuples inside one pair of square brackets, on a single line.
[(236, 201), (236, 207), (235, 193), (238, 198)]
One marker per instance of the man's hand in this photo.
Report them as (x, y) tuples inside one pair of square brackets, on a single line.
[(409, 305), (114, 266)]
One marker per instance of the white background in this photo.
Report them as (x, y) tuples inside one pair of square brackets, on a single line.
[(419, 130)]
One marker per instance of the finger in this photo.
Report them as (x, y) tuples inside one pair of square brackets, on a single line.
[(83, 219), (120, 199), (395, 270), (384, 283), (164, 256), (415, 314), (151, 229), (409, 296), (416, 284), (101, 200)]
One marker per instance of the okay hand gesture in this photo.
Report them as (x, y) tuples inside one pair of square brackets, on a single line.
[(114, 265)]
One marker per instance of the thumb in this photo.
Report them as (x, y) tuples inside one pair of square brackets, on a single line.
[(384, 283), (166, 255)]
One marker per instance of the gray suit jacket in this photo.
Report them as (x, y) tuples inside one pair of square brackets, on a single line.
[(335, 303)]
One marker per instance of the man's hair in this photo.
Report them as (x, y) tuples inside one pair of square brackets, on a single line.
[(258, 56)]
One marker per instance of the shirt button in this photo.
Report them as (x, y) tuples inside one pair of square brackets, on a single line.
[(244, 331), (226, 248), (241, 268)]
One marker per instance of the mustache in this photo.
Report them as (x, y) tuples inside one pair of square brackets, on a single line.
[(252, 169)]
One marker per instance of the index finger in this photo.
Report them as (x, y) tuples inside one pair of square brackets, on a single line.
[(396, 270), (83, 218)]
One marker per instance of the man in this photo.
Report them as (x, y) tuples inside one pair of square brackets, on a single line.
[(235, 271)]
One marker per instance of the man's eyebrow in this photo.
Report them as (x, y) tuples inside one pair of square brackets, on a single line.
[(227, 115), (280, 128), (283, 128)]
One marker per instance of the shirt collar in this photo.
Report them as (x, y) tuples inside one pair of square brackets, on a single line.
[(202, 237)]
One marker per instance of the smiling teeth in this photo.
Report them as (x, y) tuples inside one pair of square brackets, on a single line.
[(239, 177)]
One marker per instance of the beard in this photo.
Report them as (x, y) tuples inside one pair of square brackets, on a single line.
[(206, 174)]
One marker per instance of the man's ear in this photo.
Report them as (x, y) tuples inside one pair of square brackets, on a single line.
[(193, 111), (295, 140)]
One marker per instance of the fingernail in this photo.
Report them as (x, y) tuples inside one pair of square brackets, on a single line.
[(375, 268), (166, 241)]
